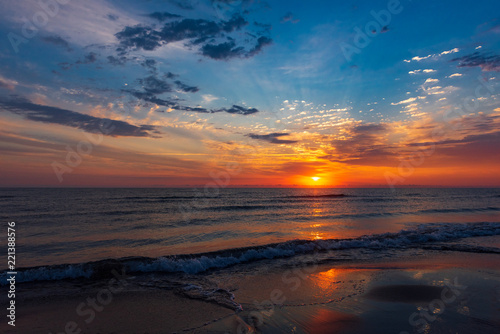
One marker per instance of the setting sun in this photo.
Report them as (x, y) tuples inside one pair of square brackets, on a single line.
[(315, 178)]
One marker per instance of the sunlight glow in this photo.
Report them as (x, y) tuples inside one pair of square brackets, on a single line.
[(315, 178)]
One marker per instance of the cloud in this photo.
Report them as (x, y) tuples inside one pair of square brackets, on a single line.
[(306, 168), (431, 80), (366, 146), (89, 58), (150, 65), (235, 109), (273, 138), (183, 4), (473, 148), (228, 50), (487, 62), (422, 71), (434, 55), (7, 83), (57, 41), (213, 39), (410, 100), (369, 128), (117, 60), (174, 104), (455, 75), (222, 51), (163, 16), (289, 17), (209, 98), (113, 17), (450, 51), (153, 85), (417, 58), (185, 88), (87, 123)]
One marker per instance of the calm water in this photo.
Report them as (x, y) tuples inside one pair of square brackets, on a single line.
[(75, 226)]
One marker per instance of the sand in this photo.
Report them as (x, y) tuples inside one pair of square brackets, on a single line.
[(440, 293)]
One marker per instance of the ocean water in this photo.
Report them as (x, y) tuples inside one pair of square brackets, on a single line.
[(71, 233)]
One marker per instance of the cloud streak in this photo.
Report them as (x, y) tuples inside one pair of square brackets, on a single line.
[(273, 138), (87, 123), (487, 62)]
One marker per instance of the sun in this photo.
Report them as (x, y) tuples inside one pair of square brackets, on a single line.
[(315, 178)]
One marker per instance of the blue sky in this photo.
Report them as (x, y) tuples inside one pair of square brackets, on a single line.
[(197, 81)]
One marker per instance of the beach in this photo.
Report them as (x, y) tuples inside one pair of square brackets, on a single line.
[(255, 261), (431, 293)]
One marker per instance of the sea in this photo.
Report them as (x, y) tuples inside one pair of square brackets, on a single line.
[(66, 234)]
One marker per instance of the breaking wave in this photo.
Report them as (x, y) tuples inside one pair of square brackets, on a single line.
[(424, 236)]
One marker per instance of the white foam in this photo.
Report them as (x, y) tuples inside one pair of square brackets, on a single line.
[(421, 235)]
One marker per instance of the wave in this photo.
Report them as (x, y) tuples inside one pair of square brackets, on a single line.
[(7, 196), (240, 207), (320, 196), (490, 208), (420, 236), (152, 198)]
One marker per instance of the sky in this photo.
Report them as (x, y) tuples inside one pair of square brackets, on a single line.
[(223, 93)]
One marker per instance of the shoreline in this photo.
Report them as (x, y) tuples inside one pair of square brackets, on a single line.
[(326, 298)]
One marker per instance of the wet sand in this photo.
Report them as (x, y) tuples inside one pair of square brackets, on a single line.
[(440, 293)]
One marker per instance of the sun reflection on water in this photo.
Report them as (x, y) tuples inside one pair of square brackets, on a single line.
[(326, 280)]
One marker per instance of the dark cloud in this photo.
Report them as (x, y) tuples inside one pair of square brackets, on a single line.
[(154, 85), (369, 128), (366, 146), (261, 42), (213, 38), (487, 62), (273, 138), (224, 1), (121, 60), (469, 139), (112, 17), (56, 40), (235, 109), (289, 17), (139, 37), (240, 110), (150, 65), (183, 4), (148, 97), (163, 16), (89, 58), (185, 88), (476, 149), (65, 66), (87, 123), (170, 75), (222, 51)]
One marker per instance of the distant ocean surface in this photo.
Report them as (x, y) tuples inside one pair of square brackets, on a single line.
[(61, 233)]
